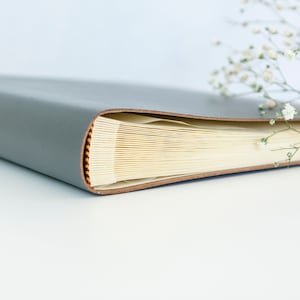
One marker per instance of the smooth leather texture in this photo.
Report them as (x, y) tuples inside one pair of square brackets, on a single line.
[(44, 122)]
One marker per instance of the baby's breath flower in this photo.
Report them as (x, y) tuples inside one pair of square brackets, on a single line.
[(272, 54), (259, 68), (262, 112), (228, 78), (290, 54), (237, 68), (227, 71), (244, 77), (289, 155), (249, 54), (260, 56), (270, 103), (262, 143), (256, 30), (288, 33), (256, 87), (213, 82), (214, 73), (267, 75), (272, 122), (266, 47), (272, 30), (287, 42), (216, 42), (276, 164), (288, 112), (223, 90)]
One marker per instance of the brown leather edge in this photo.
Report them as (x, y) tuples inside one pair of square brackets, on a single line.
[(174, 179)]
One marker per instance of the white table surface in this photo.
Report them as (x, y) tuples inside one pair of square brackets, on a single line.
[(231, 237)]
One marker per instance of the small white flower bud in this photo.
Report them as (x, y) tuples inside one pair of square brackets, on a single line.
[(237, 68), (266, 47), (279, 7), (214, 83), (267, 75), (272, 54), (249, 54), (214, 73), (272, 122), (216, 42), (288, 33), (244, 77), (223, 90), (272, 30), (270, 103), (256, 30)]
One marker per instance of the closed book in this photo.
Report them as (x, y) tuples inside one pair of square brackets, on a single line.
[(109, 138)]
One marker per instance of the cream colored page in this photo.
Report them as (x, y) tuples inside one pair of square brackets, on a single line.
[(133, 147)]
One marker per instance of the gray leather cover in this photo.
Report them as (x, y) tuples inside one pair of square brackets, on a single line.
[(44, 122)]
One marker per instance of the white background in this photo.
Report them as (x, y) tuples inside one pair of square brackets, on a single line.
[(164, 42), (232, 237)]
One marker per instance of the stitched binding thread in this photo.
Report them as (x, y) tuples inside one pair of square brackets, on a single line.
[(86, 159)]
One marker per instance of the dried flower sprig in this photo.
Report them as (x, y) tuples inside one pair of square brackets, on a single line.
[(257, 70)]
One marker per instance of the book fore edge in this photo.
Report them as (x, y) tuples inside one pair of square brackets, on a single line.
[(86, 144)]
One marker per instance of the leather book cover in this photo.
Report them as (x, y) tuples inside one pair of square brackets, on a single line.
[(44, 123)]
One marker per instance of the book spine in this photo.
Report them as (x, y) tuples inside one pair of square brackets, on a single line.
[(45, 135)]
